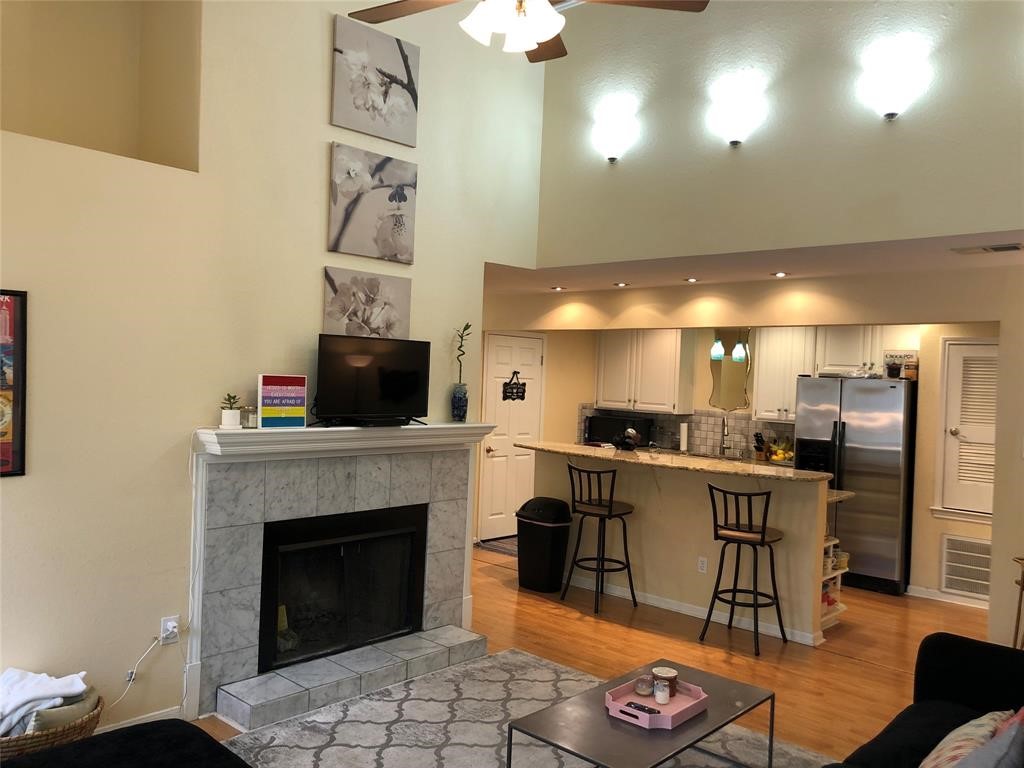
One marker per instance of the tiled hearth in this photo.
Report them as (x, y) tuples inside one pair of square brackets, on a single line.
[(245, 480)]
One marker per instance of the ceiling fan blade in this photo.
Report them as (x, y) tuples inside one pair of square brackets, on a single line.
[(549, 49), (397, 10), (693, 6)]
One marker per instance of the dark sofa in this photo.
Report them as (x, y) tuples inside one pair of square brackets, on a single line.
[(160, 744), (956, 679)]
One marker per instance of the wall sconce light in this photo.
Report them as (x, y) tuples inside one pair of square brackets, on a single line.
[(738, 105), (616, 127), (895, 72), (718, 350), (739, 353)]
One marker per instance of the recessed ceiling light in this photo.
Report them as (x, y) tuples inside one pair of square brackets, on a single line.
[(691, 279), (621, 285), (557, 288), (780, 274)]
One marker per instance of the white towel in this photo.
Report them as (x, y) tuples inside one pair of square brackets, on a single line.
[(22, 693)]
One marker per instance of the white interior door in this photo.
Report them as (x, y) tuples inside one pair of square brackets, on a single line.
[(969, 454), (506, 478)]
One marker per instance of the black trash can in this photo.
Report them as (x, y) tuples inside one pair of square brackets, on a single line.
[(543, 539)]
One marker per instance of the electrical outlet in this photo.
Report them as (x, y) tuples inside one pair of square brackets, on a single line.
[(702, 565), (169, 629), (130, 676)]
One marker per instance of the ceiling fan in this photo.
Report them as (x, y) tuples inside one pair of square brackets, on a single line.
[(530, 26)]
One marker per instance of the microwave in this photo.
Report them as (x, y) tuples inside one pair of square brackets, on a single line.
[(605, 429)]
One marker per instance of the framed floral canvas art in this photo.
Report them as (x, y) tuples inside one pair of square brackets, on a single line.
[(13, 336), (365, 304), (373, 205), (375, 82)]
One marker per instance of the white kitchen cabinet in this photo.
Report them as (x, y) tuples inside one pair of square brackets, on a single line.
[(646, 370), (780, 355), (842, 349)]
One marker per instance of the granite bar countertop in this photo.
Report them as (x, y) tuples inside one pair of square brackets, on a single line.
[(679, 461), (835, 497)]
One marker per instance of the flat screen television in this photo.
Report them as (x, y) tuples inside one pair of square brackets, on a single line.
[(370, 380)]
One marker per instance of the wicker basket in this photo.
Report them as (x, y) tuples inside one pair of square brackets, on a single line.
[(15, 746)]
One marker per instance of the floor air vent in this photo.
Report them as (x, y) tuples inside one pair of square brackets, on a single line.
[(1000, 248), (966, 566)]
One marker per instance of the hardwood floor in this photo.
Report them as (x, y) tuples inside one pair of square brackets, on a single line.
[(830, 699)]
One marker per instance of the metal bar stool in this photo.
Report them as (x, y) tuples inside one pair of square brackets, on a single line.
[(734, 523), (590, 500), (1018, 638)]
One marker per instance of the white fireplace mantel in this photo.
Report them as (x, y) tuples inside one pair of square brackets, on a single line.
[(339, 441)]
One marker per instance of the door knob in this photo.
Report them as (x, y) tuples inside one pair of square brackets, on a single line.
[(488, 449), (954, 431)]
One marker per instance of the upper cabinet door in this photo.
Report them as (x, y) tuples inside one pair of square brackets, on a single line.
[(615, 370), (780, 356), (842, 349), (656, 362)]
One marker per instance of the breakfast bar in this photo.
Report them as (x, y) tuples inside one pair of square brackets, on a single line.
[(671, 539)]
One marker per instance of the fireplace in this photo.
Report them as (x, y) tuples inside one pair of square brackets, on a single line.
[(338, 582)]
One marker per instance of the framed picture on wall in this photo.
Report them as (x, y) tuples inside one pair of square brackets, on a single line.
[(13, 314)]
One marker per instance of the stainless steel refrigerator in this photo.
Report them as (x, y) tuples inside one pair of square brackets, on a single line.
[(862, 431)]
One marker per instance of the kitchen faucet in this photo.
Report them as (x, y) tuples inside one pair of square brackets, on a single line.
[(725, 434)]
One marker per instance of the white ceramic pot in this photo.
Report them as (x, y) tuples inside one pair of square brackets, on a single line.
[(230, 418)]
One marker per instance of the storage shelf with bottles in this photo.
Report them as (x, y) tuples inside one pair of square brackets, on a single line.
[(831, 583)]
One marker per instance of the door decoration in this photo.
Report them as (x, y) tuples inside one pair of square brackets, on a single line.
[(13, 315), (513, 389)]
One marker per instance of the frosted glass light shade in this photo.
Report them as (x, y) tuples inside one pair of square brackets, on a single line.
[(519, 37), (616, 127), (718, 350), (738, 105), (479, 24), (544, 20), (739, 353)]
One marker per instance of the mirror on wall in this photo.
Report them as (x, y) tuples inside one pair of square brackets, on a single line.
[(730, 357)]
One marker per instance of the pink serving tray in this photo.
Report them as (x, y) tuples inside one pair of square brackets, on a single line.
[(689, 700)]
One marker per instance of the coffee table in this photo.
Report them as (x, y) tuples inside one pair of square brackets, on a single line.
[(582, 726)]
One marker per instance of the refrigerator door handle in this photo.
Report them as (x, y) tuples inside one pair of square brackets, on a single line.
[(840, 455)]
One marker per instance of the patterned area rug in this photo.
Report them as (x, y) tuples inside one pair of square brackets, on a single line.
[(456, 718), (509, 545)]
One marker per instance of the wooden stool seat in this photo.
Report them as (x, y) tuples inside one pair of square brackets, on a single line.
[(744, 535), (608, 509), (737, 523), (593, 496)]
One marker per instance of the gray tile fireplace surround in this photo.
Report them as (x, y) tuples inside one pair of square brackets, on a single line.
[(240, 496)]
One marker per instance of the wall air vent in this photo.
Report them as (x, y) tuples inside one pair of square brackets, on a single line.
[(965, 566), (1001, 248)]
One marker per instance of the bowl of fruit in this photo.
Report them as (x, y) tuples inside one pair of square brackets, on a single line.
[(781, 451)]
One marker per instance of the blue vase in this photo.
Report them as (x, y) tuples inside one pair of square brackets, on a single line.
[(460, 402)]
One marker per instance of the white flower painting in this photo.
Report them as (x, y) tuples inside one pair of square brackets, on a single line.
[(364, 304), (373, 205), (375, 82)]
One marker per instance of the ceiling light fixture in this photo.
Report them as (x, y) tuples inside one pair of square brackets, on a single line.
[(621, 285), (616, 128), (691, 279), (557, 288), (780, 274), (718, 350), (524, 23), (739, 353), (895, 72), (738, 105)]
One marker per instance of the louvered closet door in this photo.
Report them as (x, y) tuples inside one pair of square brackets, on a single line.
[(970, 436)]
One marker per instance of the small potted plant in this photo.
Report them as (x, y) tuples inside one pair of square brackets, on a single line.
[(230, 413), (460, 394)]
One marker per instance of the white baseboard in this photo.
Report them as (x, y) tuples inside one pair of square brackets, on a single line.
[(946, 597), (190, 706), (688, 609), (171, 713)]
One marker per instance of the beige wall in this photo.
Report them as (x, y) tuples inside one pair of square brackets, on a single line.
[(966, 296), (154, 290), (118, 76), (570, 378), (926, 561), (823, 169)]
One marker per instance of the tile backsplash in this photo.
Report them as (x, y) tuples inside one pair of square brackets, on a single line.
[(705, 431)]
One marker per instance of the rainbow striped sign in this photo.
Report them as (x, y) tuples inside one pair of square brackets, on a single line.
[(282, 401)]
